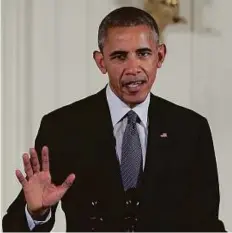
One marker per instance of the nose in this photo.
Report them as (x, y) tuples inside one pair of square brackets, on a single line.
[(132, 67)]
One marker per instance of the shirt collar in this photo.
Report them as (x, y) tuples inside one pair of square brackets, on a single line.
[(118, 109)]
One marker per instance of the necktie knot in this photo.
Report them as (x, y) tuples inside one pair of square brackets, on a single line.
[(132, 117)]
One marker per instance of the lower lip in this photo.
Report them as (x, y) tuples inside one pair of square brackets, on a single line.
[(134, 89)]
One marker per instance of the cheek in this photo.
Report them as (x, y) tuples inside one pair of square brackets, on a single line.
[(115, 73), (151, 70)]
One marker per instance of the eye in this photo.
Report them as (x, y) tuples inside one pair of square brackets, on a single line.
[(144, 53), (120, 57)]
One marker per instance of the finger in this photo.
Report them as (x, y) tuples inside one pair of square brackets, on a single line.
[(20, 177), (34, 160), (67, 183), (27, 165), (45, 159)]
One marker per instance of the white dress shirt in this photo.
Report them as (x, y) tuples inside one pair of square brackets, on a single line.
[(118, 109)]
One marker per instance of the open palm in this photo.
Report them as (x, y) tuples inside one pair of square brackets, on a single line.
[(39, 192)]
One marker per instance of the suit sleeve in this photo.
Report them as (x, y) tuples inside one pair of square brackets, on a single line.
[(205, 206), (15, 219)]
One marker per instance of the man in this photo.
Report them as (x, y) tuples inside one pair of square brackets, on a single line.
[(122, 159)]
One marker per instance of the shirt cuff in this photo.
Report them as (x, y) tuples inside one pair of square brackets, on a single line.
[(33, 223)]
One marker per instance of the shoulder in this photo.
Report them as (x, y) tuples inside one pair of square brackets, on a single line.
[(77, 110), (179, 120), (177, 113)]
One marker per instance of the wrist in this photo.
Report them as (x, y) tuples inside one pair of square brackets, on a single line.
[(39, 215)]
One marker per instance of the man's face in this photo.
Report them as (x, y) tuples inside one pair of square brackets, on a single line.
[(131, 57)]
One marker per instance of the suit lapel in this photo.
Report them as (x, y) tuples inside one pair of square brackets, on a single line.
[(157, 142), (157, 146), (105, 147)]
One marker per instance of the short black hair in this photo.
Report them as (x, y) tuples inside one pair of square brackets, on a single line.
[(125, 17)]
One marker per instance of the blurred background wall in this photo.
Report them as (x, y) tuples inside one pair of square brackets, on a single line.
[(47, 63)]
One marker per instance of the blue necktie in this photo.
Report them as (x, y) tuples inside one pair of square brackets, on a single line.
[(131, 161)]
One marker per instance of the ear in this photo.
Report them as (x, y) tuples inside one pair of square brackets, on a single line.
[(162, 50), (98, 57)]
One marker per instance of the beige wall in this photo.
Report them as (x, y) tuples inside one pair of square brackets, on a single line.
[(47, 63)]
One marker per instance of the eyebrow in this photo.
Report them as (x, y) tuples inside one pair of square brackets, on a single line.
[(118, 52), (143, 50), (123, 52)]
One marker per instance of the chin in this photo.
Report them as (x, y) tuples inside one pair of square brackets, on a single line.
[(134, 102)]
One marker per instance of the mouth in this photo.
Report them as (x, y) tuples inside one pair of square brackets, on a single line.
[(134, 86)]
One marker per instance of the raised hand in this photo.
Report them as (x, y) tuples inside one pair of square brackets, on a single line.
[(40, 193)]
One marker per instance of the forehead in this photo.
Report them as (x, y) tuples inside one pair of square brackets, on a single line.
[(127, 38)]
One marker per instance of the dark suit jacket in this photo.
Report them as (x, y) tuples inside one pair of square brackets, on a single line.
[(179, 187)]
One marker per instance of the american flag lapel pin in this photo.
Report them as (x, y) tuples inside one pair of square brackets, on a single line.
[(164, 135)]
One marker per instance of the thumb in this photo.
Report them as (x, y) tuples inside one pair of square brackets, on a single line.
[(63, 188)]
